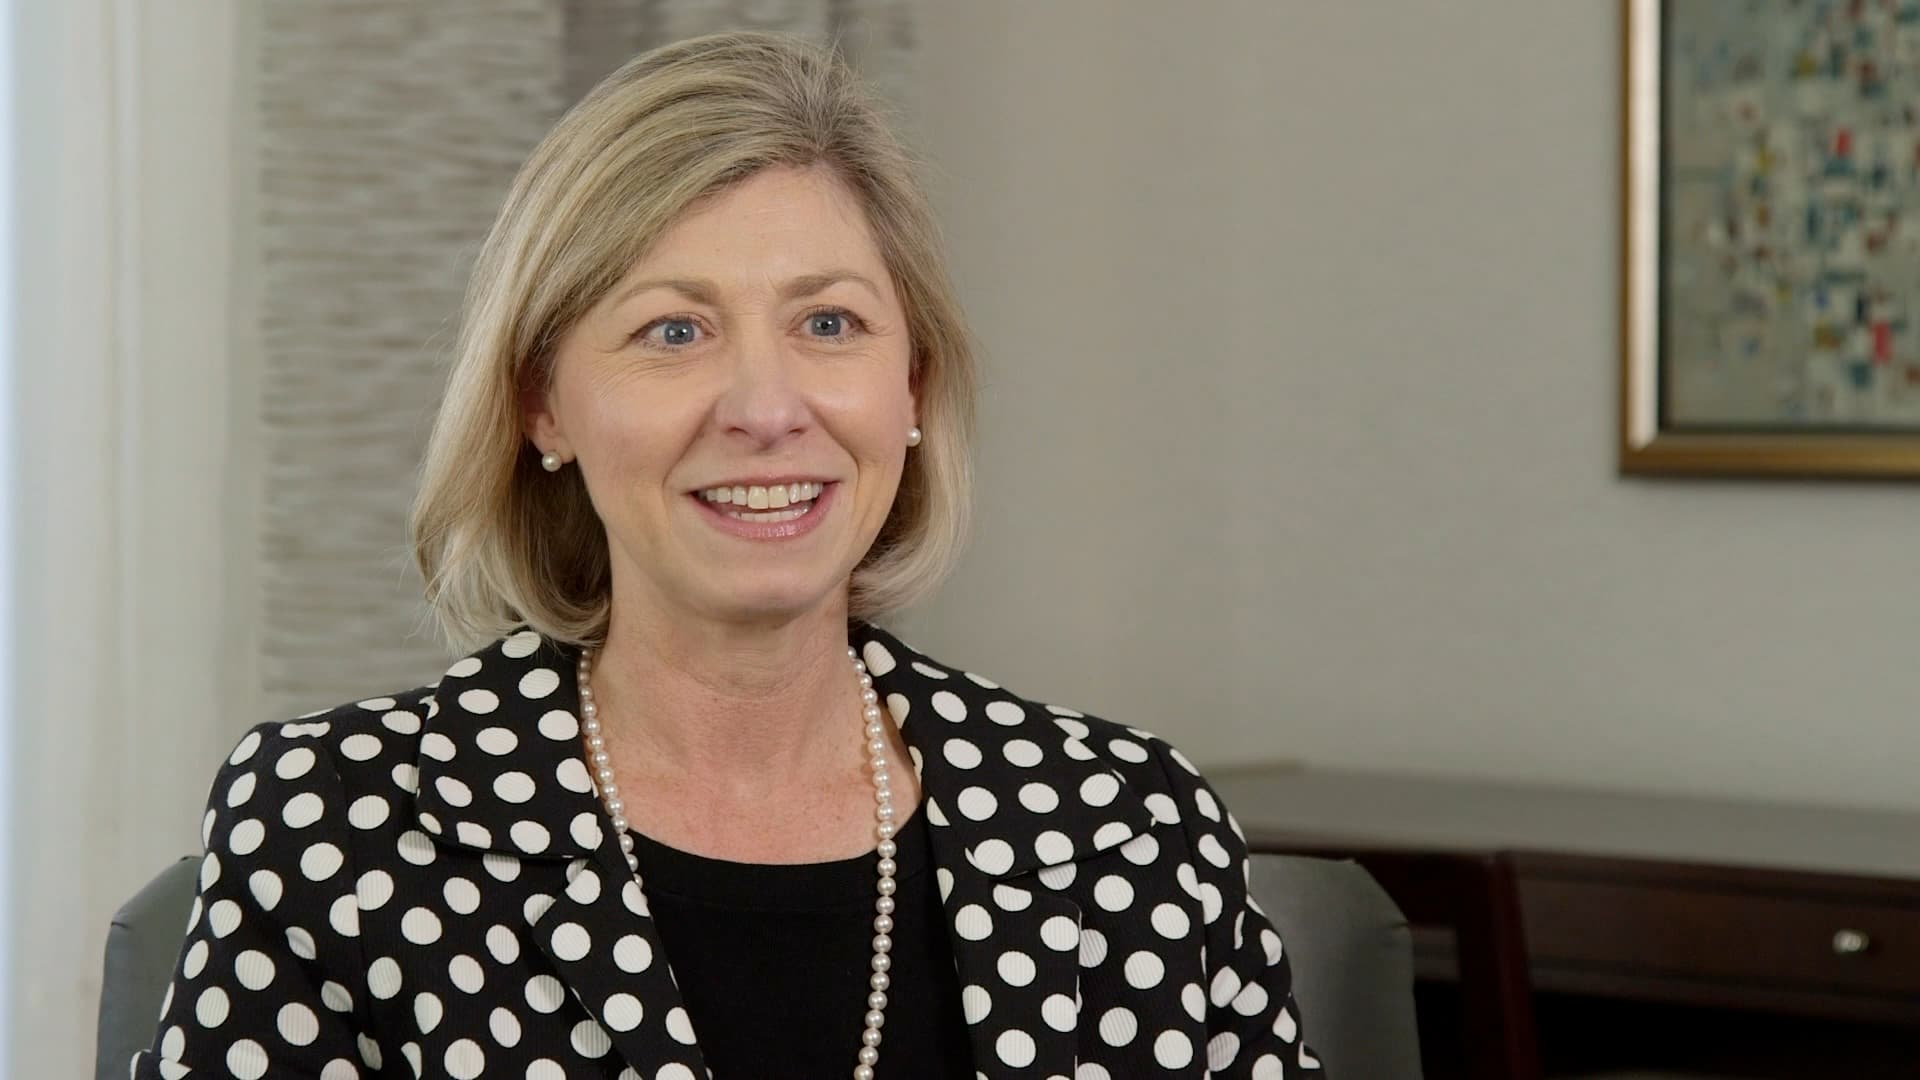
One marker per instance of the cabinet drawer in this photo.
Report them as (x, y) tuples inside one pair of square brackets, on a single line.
[(1740, 931)]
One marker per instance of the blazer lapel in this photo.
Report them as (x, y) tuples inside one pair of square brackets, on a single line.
[(501, 772), (606, 946), (1015, 799), (1012, 934)]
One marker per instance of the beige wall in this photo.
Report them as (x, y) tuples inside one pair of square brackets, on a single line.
[(1298, 426)]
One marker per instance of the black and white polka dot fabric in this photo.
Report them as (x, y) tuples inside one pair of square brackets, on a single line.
[(425, 885)]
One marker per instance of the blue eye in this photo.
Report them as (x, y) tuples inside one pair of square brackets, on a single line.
[(834, 323), (677, 331)]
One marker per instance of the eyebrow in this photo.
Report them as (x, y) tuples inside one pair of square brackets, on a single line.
[(702, 291)]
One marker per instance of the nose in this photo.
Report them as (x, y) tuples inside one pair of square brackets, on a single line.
[(763, 396)]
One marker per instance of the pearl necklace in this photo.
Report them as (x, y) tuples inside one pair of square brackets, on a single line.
[(884, 829)]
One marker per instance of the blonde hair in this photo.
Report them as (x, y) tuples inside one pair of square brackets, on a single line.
[(498, 540)]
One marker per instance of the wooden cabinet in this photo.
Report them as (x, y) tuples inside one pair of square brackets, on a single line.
[(1689, 913), (1820, 944)]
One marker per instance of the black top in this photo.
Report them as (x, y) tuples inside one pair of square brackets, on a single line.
[(773, 962)]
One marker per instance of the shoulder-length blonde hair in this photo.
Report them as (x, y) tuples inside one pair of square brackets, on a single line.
[(498, 540)]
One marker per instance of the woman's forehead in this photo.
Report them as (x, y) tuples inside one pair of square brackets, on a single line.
[(764, 231)]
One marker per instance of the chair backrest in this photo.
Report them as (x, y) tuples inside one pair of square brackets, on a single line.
[(143, 944), (1352, 957), (1351, 952)]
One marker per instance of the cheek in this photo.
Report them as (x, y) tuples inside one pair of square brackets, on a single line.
[(877, 435), (882, 409), (632, 445), (884, 455)]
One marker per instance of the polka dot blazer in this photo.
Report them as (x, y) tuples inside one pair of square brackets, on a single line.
[(426, 885)]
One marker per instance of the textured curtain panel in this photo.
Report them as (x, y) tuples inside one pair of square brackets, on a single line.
[(388, 132), (877, 35)]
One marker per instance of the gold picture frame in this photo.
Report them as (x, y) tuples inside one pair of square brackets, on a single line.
[(1857, 441)]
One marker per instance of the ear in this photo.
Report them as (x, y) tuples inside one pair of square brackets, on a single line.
[(538, 422), (916, 388)]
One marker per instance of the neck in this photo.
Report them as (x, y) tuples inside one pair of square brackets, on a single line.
[(749, 710)]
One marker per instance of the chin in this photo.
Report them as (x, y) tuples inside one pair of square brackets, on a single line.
[(772, 600)]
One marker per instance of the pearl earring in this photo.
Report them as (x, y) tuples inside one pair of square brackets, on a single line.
[(913, 436), (550, 461)]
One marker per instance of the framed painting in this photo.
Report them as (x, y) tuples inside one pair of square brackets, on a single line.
[(1770, 286)]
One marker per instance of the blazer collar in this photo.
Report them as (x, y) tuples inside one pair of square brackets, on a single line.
[(501, 762), (1010, 784), (1016, 797)]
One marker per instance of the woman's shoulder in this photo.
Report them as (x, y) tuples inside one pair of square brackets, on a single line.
[(352, 761), (1005, 740), (349, 733)]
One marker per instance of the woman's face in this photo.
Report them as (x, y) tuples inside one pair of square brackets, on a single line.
[(759, 345)]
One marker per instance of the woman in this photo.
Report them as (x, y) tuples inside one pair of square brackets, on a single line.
[(682, 806)]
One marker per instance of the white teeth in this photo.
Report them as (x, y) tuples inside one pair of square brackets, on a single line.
[(772, 515), (762, 498)]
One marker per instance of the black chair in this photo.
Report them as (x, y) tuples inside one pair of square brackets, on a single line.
[(1352, 956), (143, 944)]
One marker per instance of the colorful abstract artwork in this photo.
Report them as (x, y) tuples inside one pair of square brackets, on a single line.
[(1778, 251)]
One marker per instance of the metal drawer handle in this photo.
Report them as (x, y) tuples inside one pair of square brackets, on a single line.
[(1850, 942)]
